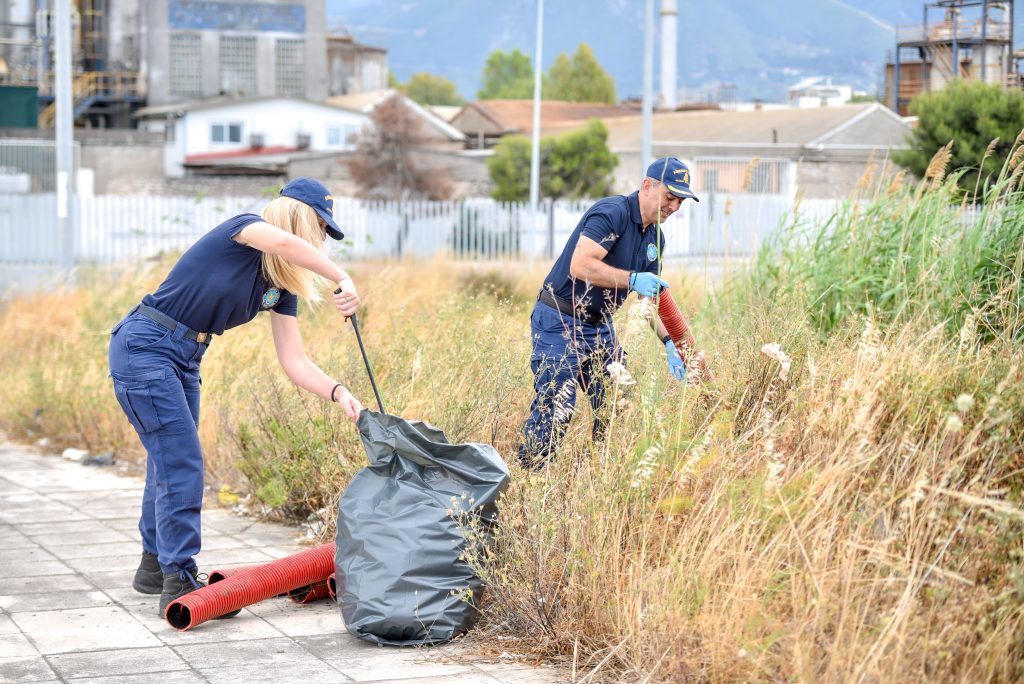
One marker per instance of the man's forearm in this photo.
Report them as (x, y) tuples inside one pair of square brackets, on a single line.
[(598, 273)]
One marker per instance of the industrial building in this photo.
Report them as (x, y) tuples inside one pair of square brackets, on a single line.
[(130, 53), (956, 39)]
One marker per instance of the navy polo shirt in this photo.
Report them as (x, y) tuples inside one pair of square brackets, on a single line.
[(615, 224), (219, 283)]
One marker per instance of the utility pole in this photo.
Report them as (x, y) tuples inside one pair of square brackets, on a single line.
[(63, 135), (645, 138), (535, 147)]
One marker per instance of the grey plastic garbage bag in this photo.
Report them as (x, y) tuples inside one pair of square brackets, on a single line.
[(399, 577)]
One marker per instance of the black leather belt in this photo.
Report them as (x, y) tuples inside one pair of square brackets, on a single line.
[(581, 315), (163, 319)]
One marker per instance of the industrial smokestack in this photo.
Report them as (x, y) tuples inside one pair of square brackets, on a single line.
[(669, 52)]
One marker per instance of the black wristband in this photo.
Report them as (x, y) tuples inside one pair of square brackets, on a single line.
[(665, 339), (335, 390)]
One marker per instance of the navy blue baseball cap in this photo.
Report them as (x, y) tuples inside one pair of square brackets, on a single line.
[(314, 193), (674, 174)]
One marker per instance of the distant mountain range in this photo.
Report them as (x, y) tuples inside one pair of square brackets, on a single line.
[(760, 46)]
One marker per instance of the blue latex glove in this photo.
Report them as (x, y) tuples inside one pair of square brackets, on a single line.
[(675, 362), (646, 284)]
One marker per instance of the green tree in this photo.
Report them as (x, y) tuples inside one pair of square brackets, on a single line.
[(507, 76), (572, 166), (579, 79), (428, 89), (972, 115)]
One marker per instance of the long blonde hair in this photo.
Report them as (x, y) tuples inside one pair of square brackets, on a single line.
[(300, 220)]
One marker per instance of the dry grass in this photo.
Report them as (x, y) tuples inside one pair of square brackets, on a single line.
[(859, 520)]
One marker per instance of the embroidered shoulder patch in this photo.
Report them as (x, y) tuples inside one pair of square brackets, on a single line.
[(271, 297), (652, 252)]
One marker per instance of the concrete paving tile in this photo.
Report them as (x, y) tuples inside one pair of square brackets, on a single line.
[(104, 579), (126, 596), (25, 496), (53, 514), (515, 673), (366, 662), (226, 524), (26, 669), (34, 529), (216, 541), (13, 540), (7, 625), (128, 524), (467, 678), (30, 555), (87, 566), (217, 558), (162, 677), (16, 646), (39, 569), (292, 619), (265, 652), (244, 626), (277, 552), (46, 583), (84, 629), (54, 600), (308, 672), (125, 661), (58, 541), (126, 549)]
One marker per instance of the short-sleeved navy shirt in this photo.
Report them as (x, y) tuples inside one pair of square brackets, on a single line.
[(615, 224), (218, 283)]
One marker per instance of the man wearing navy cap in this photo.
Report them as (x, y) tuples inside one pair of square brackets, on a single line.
[(614, 249)]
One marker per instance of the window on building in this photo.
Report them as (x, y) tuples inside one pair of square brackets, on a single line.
[(226, 133), (341, 136), (290, 66), (186, 65), (238, 64)]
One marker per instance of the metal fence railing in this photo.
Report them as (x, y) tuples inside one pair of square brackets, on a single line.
[(124, 228)]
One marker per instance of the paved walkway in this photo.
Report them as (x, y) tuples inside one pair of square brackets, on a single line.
[(68, 551)]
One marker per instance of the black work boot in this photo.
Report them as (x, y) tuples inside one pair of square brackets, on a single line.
[(149, 578), (177, 584)]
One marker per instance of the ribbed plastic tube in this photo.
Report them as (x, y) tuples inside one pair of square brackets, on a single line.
[(251, 585), (679, 330), (332, 587)]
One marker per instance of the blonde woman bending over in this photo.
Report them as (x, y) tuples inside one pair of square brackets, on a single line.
[(249, 263)]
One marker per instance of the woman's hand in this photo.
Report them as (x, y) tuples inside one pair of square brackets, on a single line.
[(346, 299), (349, 403)]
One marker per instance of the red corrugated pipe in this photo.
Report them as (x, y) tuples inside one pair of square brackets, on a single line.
[(251, 585), (309, 593), (332, 587), (679, 330), (218, 575)]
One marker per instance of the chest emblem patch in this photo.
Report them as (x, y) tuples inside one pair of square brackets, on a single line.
[(652, 252), (271, 297)]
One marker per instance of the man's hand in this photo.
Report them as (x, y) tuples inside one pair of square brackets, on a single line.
[(346, 299), (646, 284), (675, 362)]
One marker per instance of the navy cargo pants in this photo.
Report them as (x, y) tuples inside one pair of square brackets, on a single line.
[(156, 381), (566, 353)]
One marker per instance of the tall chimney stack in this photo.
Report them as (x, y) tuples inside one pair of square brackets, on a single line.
[(669, 52)]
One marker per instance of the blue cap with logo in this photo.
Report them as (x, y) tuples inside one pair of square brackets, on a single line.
[(674, 174), (314, 193)]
